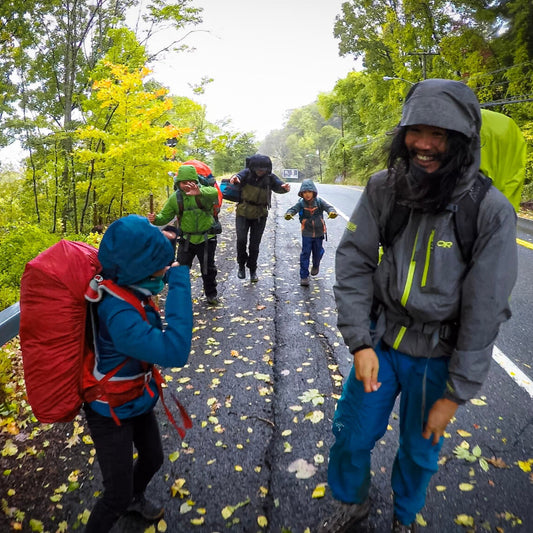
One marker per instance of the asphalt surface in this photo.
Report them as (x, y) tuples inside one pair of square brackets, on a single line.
[(261, 384)]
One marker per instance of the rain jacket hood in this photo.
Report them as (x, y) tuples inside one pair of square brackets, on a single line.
[(132, 249), (307, 185), (260, 161), (186, 173), (445, 104), (450, 105)]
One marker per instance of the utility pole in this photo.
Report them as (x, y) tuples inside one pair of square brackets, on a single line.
[(424, 56)]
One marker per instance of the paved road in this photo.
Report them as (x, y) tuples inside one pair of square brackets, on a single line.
[(261, 385)]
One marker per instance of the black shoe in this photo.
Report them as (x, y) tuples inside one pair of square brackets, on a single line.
[(212, 300), (345, 517), (242, 273), (253, 276), (146, 509), (314, 271), (304, 282), (398, 527)]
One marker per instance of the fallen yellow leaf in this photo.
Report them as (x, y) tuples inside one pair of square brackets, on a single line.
[(319, 491), (262, 521), (420, 520), (464, 520), (477, 401)]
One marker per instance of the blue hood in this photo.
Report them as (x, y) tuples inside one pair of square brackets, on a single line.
[(132, 249)]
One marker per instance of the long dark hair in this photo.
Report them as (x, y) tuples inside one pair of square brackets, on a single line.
[(431, 192)]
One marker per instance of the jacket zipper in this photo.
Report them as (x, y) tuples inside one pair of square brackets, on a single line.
[(429, 249), (407, 290)]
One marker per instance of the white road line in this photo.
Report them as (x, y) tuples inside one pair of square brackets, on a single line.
[(516, 374), (340, 213)]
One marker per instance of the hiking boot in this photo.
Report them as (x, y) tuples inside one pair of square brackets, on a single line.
[(345, 517), (304, 282), (212, 300), (241, 274), (398, 527), (253, 276), (314, 271), (146, 508)]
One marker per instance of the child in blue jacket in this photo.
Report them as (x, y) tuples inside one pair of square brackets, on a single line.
[(135, 255), (311, 212)]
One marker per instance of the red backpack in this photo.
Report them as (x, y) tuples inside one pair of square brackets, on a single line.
[(56, 336)]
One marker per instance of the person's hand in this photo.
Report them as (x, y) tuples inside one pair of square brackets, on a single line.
[(332, 215), (439, 416), (286, 187), (151, 217), (234, 180), (366, 365), (288, 216), (191, 189), (174, 264)]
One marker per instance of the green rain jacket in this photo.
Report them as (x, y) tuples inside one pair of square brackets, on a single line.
[(195, 221), (503, 154)]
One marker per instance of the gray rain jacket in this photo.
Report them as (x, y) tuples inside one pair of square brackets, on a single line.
[(422, 281)]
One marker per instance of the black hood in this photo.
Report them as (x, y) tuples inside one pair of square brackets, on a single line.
[(259, 161)]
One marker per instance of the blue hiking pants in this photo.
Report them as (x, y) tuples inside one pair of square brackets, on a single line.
[(311, 247), (361, 419)]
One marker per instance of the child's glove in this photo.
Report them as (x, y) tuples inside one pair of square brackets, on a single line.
[(288, 216), (332, 215)]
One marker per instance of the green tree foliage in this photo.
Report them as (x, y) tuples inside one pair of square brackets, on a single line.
[(19, 243), (488, 45), (51, 49), (125, 151), (231, 151)]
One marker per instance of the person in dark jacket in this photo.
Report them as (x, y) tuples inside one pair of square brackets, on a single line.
[(135, 255), (310, 209), (421, 319), (256, 183)]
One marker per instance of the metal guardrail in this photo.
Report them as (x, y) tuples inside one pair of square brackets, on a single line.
[(9, 323)]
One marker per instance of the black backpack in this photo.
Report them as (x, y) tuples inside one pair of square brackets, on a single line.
[(464, 215)]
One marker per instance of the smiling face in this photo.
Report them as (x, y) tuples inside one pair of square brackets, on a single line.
[(426, 146)]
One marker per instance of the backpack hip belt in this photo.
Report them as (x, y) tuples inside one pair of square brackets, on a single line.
[(447, 331)]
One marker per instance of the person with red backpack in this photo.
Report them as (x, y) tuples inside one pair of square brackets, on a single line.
[(135, 256), (192, 204)]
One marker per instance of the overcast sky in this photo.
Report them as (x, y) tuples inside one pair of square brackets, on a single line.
[(266, 57)]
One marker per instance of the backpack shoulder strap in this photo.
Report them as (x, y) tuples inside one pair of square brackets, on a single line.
[(301, 208), (98, 285), (396, 222), (465, 215), (179, 198)]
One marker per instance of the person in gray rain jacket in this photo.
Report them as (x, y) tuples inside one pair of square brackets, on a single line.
[(422, 321), (310, 209)]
